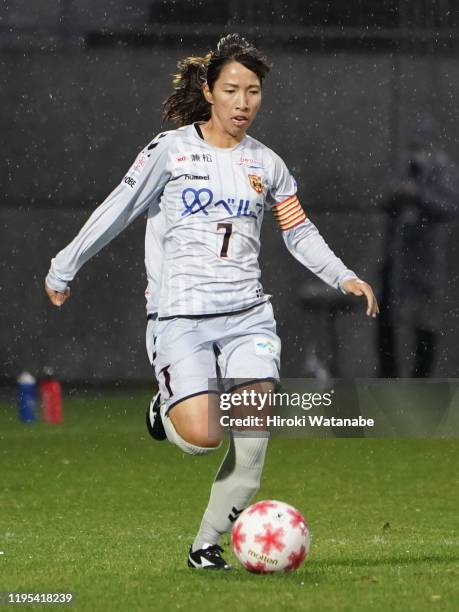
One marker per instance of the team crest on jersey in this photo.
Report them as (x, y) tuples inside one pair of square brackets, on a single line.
[(256, 183)]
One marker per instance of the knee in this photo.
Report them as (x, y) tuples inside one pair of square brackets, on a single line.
[(196, 432), (193, 428), (197, 441), (202, 439), (193, 445)]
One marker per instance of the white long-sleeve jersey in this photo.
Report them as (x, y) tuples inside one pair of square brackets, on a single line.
[(205, 206)]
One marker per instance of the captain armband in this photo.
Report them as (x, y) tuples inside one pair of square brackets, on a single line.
[(289, 213)]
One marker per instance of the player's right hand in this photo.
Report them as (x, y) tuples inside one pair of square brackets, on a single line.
[(57, 297)]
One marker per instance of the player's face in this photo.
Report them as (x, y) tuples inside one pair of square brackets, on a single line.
[(235, 98)]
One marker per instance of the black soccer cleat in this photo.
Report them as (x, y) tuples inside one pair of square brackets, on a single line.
[(153, 419), (208, 558)]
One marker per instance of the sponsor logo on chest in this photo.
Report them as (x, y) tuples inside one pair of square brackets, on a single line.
[(249, 162), (199, 201), (196, 177), (196, 158)]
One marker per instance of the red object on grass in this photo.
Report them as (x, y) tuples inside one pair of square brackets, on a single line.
[(51, 399)]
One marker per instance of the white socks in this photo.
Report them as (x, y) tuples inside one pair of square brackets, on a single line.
[(236, 482)]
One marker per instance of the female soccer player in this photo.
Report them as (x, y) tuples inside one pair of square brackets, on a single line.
[(211, 183)]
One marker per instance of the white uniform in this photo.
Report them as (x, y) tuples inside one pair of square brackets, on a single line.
[(212, 202), (154, 260)]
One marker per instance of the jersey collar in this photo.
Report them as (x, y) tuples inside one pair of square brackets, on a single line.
[(200, 135)]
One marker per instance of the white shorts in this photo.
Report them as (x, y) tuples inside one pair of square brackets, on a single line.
[(189, 352)]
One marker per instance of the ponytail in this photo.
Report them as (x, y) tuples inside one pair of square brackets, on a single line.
[(187, 103)]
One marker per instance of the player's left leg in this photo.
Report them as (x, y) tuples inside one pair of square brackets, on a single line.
[(237, 480), (251, 352)]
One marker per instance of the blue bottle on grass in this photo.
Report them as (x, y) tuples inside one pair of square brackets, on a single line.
[(27, 398)]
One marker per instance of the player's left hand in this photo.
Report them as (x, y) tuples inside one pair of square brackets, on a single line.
[(57, 297), (356, 286)]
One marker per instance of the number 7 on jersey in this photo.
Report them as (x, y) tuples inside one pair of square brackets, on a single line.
[(228, 227)]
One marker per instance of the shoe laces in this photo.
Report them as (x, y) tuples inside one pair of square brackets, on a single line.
[(214, 551)]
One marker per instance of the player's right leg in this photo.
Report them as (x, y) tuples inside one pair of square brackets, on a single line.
[(184, 363), (187, 425), (153, 414), (154, 420)]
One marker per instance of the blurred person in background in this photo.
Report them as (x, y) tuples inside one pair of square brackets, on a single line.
[(420, 203)]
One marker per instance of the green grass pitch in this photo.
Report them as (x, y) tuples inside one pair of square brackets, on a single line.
[(96, 508)]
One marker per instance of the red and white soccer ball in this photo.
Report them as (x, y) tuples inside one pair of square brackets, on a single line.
[(270, 536)]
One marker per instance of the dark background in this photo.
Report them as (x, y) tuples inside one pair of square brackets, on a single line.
[(81, 89)]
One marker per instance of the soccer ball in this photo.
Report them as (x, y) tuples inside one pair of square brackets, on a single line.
[(270, 536)]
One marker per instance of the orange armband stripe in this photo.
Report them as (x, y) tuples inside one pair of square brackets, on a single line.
[(289, 213), (279, 207)]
